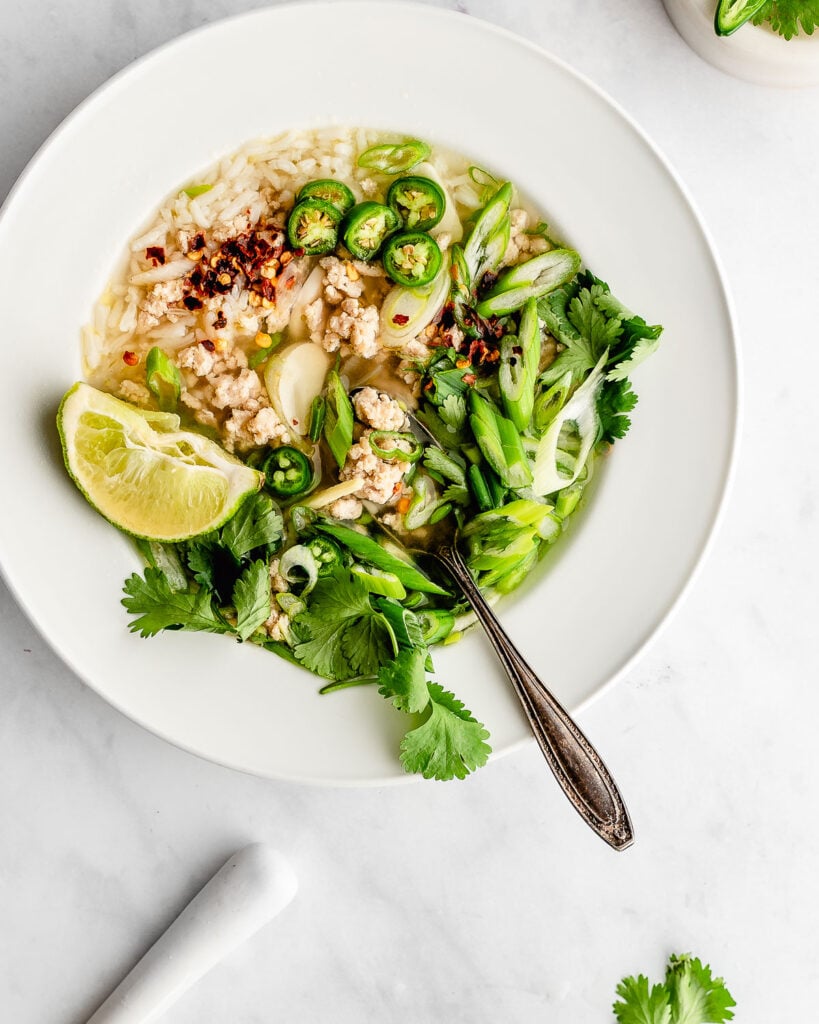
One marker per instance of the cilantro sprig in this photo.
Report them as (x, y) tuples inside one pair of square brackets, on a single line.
[(690, 994), (348, 634), (789, 17), (590, 323), (228, 582)]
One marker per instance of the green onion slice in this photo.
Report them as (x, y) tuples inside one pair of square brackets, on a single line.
[(394, 159), (163, 379)]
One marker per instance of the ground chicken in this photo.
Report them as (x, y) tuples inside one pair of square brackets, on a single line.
[(245, 429), (224, 382), (159, 302), (416, 348), (339, 282), (355, 324), (198, 407), (133, 391), (381, 478), (522, 246), (346, 508), (278, 583), (197, 359), (277, 625), (315, 316), (231, 392), (378, 410)]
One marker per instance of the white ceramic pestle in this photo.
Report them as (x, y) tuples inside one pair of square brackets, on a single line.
[(247, 892)]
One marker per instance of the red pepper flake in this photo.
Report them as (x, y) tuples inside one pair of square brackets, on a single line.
[(130, 358), (156, 254), (469, 379), (298, 252), (208, 344), (191, 302), (220, 320), (429, 385), (400, 319), (196, 243)]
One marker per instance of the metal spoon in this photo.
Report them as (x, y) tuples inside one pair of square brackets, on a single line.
[(576, 765)]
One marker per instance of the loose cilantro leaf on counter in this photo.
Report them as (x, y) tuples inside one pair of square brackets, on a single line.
[(158, 607), (689, 995), (343, 636), (787, 17), (450, 744), (251, 598)]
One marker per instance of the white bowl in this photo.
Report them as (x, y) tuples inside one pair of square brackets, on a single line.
[(753, 52), (449, 79)]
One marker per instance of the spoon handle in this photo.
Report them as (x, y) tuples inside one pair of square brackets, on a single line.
[(577, 766)]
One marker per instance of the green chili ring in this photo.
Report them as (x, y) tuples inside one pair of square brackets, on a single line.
[(367, 227), (327, 554), (418, 202), (329, 191), (412, 259), (377, 437), (288, 472), (313, 227)]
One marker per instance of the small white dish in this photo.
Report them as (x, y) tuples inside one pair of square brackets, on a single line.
[(753, 52), (585, 615)]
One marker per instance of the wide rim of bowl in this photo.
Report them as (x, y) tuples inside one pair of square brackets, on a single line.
[(86, 108)]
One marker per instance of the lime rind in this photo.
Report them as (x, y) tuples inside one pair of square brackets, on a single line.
[(144, 474)]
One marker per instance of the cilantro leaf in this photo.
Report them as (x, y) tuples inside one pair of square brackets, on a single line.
[(199, 555), (787, 17), (404, 624), (638, 341), (256, 524), (641, 1003), (615, 400), (695, 996), (444, 465), (582, 327), (450, 744), (251, 598), (404, 681), (591, 323), (689, 995), (157, 607), (453, 412), (343, 636)]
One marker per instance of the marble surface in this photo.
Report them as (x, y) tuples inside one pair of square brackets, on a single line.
[(487, 900)]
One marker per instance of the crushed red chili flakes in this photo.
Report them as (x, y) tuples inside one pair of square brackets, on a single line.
[(247, 258), (400, 319), (130, 358), (469, 379), (207, 344), (220, 320), (156, 254), (191, 302), (197, 243)]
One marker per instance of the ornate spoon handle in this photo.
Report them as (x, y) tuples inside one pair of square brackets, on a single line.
[(577, 766)]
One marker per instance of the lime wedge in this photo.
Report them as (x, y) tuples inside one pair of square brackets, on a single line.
[(143, 473)]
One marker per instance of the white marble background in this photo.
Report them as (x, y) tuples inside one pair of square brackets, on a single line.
[(488, 900)]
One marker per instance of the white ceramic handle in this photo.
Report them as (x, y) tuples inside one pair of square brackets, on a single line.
[(250, 889)]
